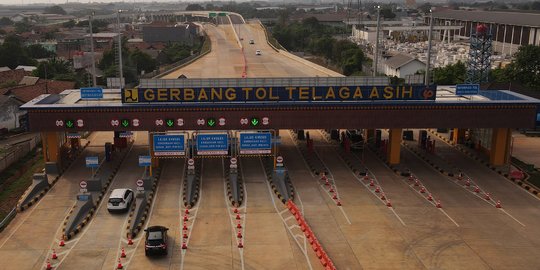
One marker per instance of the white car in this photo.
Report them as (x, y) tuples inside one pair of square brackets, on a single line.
[(120, 200), (258, 52), (251, 41)]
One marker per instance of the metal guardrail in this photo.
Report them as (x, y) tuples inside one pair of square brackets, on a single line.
[(8, 218), (267, 82)]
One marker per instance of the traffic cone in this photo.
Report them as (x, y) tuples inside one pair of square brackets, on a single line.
[(120, 266), (327, 183), (416, 183), (383, 197), (239, 234), (438, 204), (487, 197), (185, 235), (186, 218), (388, 203), (460, 176), (338, 203), (476, 189), (498, 205), (239, 226), (366, 177), (331, 190), (185, 228), (468, 183), (184, 245), (62, 242), (240, 245), (429, 197), (54, 256), (422, 189), (123, 254), (335, 196), (371, 183), (187, 211), (377, 189), (235, 210), (48, 267), (237, 216), (130, 241), (411, 178)]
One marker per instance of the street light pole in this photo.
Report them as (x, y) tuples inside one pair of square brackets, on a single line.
[(428, 64), (376, 56), (120, 47), (92, 50)]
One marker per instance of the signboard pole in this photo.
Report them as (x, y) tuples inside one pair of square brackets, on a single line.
[(150, 145)]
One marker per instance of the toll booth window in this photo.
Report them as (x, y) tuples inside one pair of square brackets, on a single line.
[(83, 198)]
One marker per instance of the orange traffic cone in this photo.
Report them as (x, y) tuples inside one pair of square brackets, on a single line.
[(48, 267), (239, 234), (185, 235), (429, 197), (327, 183), (239, 226), (120, 266), (498, 205), (62, 242), (411, 178), (331, 190), (335, 196), (237, 216), (416, 183), (422, 189), (377, 189), (235, 210), (184, 228), (54, 256), (438, 204), (123, 254), (186, 218), (382, 196), (388, 203), (487, 197), (187, 211), (240, 245), (184, 245), (130, 241), (371, 183), (476, 189), (338, 203), (468, 183)]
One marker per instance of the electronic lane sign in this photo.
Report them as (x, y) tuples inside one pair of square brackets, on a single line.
[(467, 89), (92, 162), (169, 145), (145, 161), (255, 143), (91, 93), (212, 144)]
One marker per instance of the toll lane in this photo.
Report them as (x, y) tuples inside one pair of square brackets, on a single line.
[(165, 212), (266, 240), (211, 244), (27, 240), (484, 239), (367, 212), (322, 214), (98, 245)]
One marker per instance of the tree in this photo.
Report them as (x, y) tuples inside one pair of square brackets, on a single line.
[(192, 7), (5, 21), (38, 51), (55, 10), (13, 53), (53, 69), (23, 26), (69, 24), (525, 68), (535, 5), (387, 13), (451, 74), (143, 61)]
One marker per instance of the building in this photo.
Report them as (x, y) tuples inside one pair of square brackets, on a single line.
[(509, 29), (402, 65), (10, 115)]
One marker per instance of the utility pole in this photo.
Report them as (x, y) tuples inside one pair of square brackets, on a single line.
[(428, 64), (120, 48), (92, 50), (376, 55)]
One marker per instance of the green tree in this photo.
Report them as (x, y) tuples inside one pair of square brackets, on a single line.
[(53, 69), (451, 74), (194, 7), (142, 61), (176, 52), (387, 13), (5, 21), (38, 51), (69, 24), (55, 10), (23, 26), (525, 68), (13, 53)]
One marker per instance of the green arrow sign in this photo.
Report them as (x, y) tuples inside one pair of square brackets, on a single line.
[(211, 122), (169, 122), (125, 123), (70, 123), (254, 121)]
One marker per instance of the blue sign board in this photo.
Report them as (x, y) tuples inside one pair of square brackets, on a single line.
[(145, 161), (169, 145), (92, 162), (212, 144), (255, 143), (278, 94), (467, 89), (91, 93)]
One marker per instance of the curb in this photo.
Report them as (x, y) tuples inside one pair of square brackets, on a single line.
[(149, 201)]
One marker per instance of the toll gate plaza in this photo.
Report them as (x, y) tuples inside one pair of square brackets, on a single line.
[(268, 161)]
